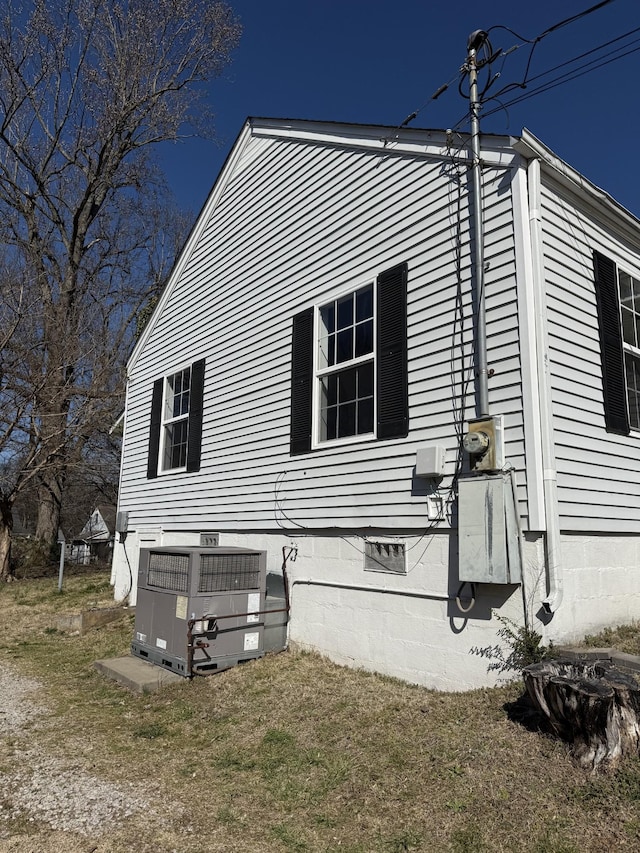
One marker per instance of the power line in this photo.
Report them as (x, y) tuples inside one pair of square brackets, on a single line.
[(559, 81), (593, 64), (490, 58), (572, 61), (586, 53)]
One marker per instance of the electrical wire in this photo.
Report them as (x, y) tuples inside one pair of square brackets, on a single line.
[(568, 62), (565, 78), (439, 91), (593, 64)]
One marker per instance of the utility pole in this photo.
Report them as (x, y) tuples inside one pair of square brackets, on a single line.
[(475, 41)]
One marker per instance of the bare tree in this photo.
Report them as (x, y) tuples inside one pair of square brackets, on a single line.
[(88, 89)]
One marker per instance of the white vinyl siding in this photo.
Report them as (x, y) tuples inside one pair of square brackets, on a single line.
[(598, 475), (293, 221)]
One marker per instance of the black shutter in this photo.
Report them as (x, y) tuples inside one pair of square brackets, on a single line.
[(194, 441), (301, 382), (392, 390), (611, 348), (154, 429)]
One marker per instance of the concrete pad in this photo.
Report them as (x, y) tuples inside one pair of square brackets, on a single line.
[(137, 675)]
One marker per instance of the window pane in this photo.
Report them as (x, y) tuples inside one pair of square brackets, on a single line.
[(175, 449), (345, 345), (177, 394), (345, 311), (347, 420), (364, 303), (328, 318), (365, 380), (327, 355), (626, 294), (329, 418), (365, 416), (347, 386), (635, 286), (364, 338), (628, 327), (330, 388), (632, 365), (347, 402)]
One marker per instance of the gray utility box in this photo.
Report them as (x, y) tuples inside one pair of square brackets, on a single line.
[(488, 531), (200, 610)]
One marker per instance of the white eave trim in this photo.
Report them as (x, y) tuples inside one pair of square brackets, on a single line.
[(530, 147), (496, 150)]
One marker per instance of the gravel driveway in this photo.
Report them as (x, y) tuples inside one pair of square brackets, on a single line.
[(37, 787)]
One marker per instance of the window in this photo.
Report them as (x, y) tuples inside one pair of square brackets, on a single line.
[(629, 289), (346, 366), (618, 301), (357, 383), (175, 433), (175, 420)]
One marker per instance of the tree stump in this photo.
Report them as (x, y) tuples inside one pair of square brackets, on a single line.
[(590, 704)]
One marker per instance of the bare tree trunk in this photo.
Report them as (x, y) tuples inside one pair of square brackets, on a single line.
[(50, 488), (6, 526)]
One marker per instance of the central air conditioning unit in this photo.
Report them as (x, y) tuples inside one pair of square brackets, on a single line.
[(200, 610)]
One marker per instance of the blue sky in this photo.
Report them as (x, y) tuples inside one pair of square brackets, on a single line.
[(376, 61)]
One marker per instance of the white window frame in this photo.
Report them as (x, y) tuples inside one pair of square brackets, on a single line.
[(320, 372), (166, 422), (628, 348)]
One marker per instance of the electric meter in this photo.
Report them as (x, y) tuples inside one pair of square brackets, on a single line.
[(476, 443)]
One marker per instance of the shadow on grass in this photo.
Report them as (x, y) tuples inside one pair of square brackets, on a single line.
[(523, 712)]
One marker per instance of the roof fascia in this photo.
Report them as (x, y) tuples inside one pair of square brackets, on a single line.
[(192, 240), (616, 216), (439, 144)]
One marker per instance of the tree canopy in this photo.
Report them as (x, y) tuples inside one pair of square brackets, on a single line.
[(88, 89)]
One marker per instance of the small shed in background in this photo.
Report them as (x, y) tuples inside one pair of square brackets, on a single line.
[(95, 540)]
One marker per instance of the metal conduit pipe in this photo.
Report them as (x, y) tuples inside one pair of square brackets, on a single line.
[(362, 587), (549, 482), (482, 404)]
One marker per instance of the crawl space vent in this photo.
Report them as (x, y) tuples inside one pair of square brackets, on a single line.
[(385, 557)]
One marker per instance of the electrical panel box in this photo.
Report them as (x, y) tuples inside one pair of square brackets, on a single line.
[(122, 522), (200, 610), (488, 531)]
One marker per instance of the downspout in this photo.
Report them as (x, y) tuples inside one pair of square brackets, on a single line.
[(553, 598)]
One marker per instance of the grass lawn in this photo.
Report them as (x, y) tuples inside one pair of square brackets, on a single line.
[(292, 753)]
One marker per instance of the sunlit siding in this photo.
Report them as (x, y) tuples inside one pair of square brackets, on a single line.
[(294, 222), (598, 472)]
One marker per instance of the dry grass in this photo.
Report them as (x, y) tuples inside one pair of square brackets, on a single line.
[(292, 753), (625, 638)]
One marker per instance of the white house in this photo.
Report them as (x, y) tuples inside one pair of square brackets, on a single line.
[(95, 540), (306, 381)]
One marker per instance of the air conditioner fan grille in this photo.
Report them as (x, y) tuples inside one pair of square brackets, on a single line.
[(229, 572), (169, 571)]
